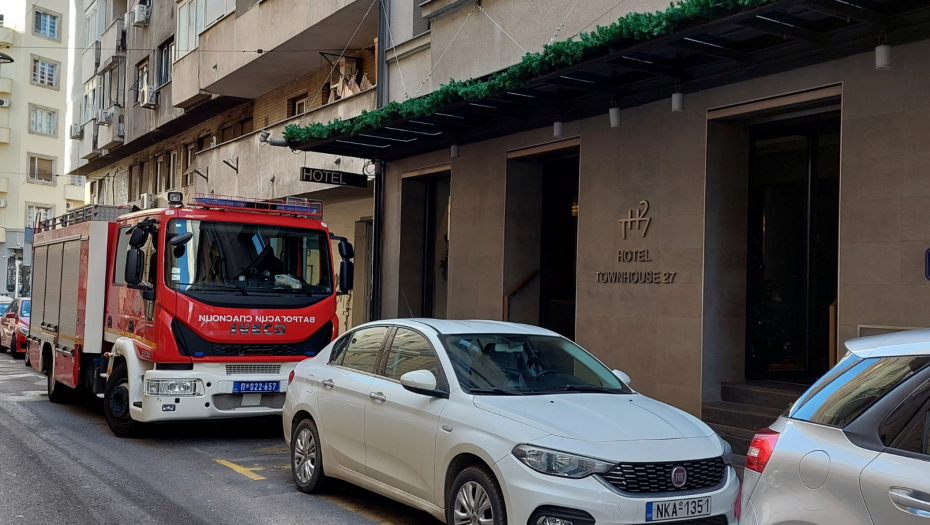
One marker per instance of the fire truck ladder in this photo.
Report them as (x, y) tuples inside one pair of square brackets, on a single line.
[(91, 212)]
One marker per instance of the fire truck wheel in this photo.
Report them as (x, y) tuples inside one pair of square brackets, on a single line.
[(57, 392), (306, 458), (116, 404)]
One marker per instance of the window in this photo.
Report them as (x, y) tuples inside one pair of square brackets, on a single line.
[(363, 348), (900, 418), (411, 351), (41, 169), (46, 24), (246, 126), (173, 170), (91, 31), (916, 438), (122, 246), (297, 105), (160, 174), (91, 102), (36, 213), (45, 72), (190, 21), (43, 121), (226, 134), (165, 58), (839, 398), (135, 182), (77, 180), (142, 79), (189, 151)]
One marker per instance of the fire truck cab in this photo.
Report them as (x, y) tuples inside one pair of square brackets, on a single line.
[(185, 312)]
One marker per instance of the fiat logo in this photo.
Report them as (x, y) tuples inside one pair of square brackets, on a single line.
[(679, 477)]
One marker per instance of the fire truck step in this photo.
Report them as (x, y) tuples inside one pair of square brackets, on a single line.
[(104, 375), (100, 395)]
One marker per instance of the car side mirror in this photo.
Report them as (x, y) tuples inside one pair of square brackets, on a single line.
[(346, 276), (422, 382), (622, 376), (135, 263)]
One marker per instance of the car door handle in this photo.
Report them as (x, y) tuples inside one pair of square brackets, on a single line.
[(328, 383), (377, 396), (912, 501)]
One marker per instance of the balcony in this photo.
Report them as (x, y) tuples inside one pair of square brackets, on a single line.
[(88, 148), (297, 26), (6, 85), (111, 135), (90, 59), (74, 192), (4, 135), (252, 161), (111, 44)]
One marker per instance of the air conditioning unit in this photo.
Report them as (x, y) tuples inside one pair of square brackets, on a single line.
[(77, 131), (149, 96), (104, 117), (148, 200), (140, 15), (5, 102), (3, 203), (69, 205)]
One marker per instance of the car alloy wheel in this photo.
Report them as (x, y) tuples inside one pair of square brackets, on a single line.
[(304, 455), (473, 506)]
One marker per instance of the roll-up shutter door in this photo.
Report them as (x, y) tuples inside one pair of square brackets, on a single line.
[(70, 272), (39, 266), (53, 286)]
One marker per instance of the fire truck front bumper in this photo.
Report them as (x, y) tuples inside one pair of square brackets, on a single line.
[(213, 391)]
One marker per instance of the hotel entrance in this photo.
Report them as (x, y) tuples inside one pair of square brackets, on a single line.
[(793, 223)]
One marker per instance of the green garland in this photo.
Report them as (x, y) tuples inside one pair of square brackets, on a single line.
[(555, 56)]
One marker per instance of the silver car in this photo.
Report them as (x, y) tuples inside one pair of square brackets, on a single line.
[(855, 449)]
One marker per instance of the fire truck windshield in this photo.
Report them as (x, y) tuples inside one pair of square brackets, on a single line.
[(247, 259)]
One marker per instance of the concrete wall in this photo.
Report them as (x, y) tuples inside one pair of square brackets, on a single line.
[(654, 332)]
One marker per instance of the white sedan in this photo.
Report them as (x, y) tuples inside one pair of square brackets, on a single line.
[(487, 423)]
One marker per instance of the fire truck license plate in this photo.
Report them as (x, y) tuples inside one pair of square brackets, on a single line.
[(256, 386)]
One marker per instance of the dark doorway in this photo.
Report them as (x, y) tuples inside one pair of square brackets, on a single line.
[(792, 247), (559, 244), (424, 253)]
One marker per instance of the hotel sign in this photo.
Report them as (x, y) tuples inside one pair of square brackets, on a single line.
[(636, 219), (336, 178)]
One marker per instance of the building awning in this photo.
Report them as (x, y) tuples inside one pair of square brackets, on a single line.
[(731, 46)]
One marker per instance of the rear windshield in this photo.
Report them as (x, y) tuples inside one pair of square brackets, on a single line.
[(853, 386)]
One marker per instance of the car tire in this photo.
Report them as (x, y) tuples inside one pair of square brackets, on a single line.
[(307, 458), (116, 402), (57, 392), (476, 493)]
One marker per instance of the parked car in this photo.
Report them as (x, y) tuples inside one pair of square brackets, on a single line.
[(855, 449), (14, 327), (480, 422)]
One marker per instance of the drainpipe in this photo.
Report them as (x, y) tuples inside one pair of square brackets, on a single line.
[(381, 100)]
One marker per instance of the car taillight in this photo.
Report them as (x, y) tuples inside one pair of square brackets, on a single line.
[(760, 450), (290, 377)]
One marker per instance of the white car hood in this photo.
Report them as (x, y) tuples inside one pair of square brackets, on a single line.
[(597, 417)]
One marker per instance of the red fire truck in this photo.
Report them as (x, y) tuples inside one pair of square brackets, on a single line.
[(185, 312)]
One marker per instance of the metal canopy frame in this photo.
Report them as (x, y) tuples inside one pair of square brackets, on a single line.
[(699, 55)]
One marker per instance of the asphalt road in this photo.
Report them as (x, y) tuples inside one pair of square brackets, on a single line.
[(61, 464)]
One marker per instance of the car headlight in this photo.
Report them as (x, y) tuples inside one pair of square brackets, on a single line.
[(727, 451), (173, 387), (24, 330), (560, 464)]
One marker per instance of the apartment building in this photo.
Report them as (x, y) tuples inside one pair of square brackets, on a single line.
[(33, 129), (723, 192), (184, 95)]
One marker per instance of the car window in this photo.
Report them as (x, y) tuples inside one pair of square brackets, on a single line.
[(861, 383), (26, 308), (411, 351), (916, 437), (901, 416), (4, 307), (362, 351), (335, 358), (14, 306)]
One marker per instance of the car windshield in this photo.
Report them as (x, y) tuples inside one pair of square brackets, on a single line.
[(25, 308), (249, 258), (499, 364)]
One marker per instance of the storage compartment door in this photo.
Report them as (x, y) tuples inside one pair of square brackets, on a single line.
[(70, 276), (53, 287), (39, 267)]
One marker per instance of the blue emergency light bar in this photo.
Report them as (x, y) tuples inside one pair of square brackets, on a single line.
[(291, 205)]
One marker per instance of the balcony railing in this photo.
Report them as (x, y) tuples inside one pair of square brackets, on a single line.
[(88, 148), (112, 131), (111, 44), (90, 60)]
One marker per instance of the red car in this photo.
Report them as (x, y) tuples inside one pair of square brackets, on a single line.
[(14, 326)]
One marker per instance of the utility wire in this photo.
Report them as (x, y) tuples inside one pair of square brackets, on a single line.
[(499, 27), (430, 74), (258, 51), (583, 29), (556, 34), (394, 48)]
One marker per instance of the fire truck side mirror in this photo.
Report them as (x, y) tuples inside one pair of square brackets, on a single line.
[(346, 251), (135, 264), (138, 237), (346, 276)]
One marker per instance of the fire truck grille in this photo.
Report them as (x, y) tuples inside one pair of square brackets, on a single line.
[(657, 477), (190, 343), (232, 370)]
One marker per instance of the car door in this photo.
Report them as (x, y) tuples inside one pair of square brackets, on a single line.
[(343, 395), (896, 484), (401, 426)]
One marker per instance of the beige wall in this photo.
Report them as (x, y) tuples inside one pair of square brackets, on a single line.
[(654, 332)]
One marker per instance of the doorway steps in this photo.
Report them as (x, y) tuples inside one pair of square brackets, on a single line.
[(745, 407)]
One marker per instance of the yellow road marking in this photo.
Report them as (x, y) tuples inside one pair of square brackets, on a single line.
[(248, 472)]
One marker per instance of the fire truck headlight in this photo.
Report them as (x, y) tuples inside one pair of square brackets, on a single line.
[(173, 387)]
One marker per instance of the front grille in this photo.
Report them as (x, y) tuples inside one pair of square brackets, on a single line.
[(232, 370), (652, 478), (190, 343), (256, 349)]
